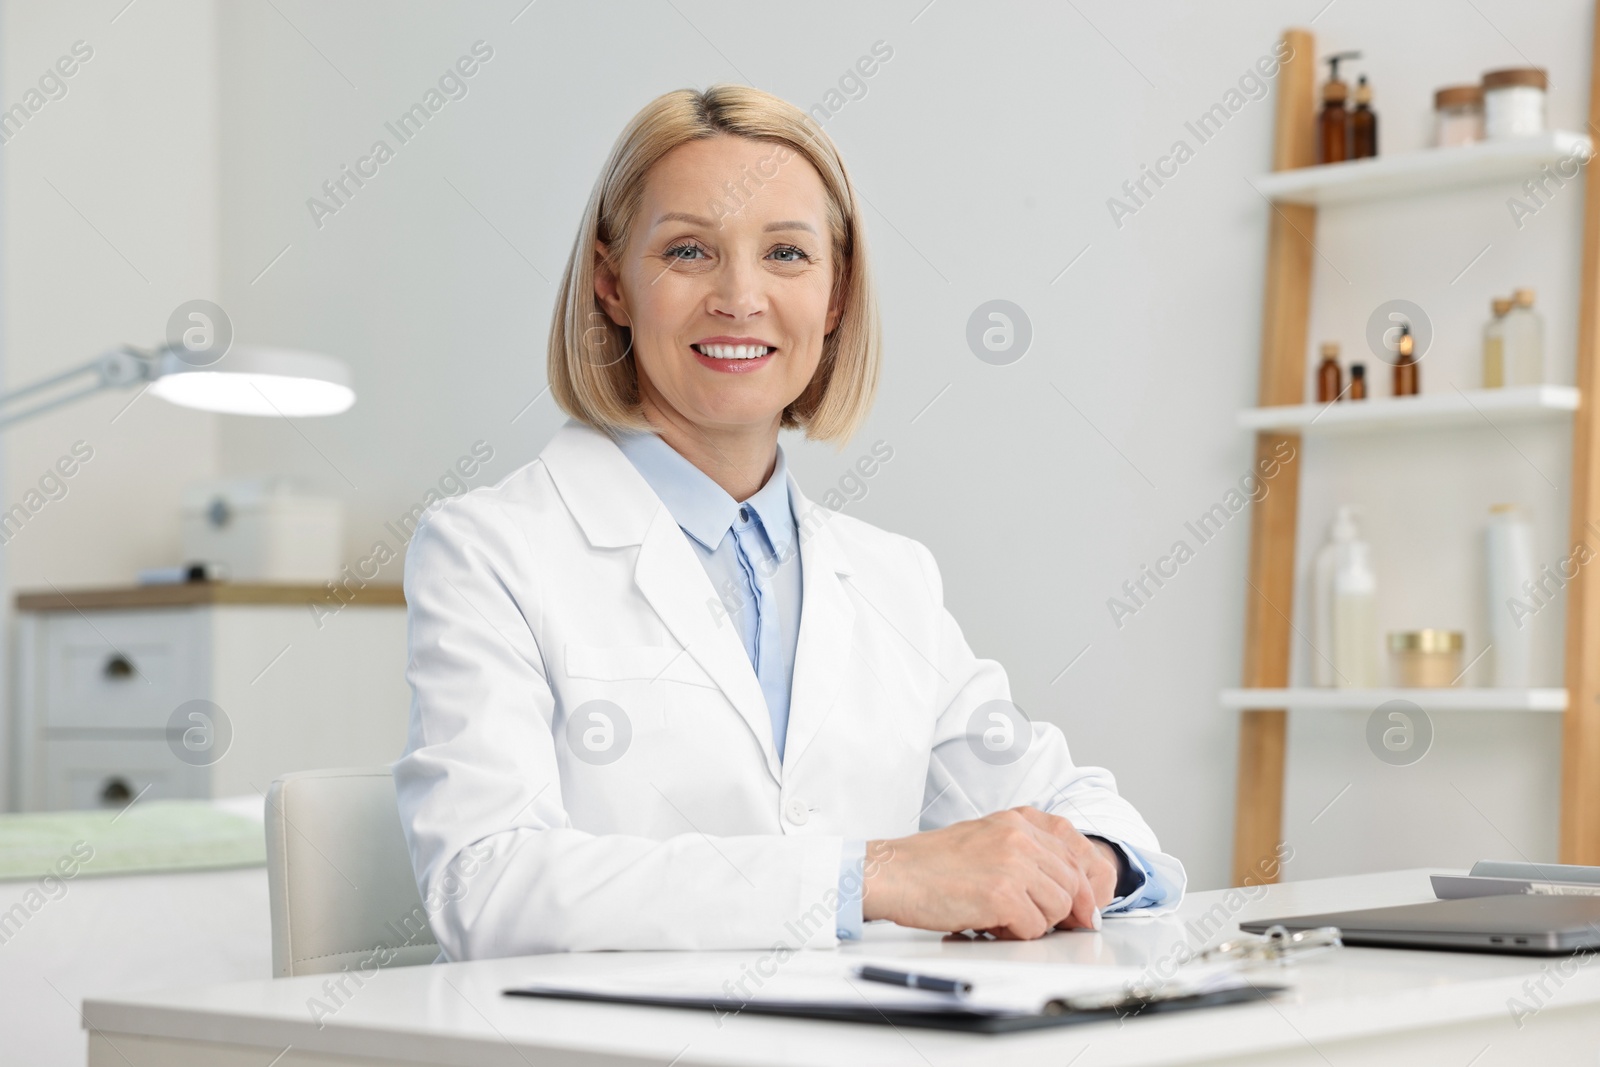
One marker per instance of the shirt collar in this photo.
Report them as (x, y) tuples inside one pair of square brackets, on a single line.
[(700, 506)]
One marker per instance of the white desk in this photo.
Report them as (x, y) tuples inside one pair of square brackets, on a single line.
[(1352, 1006), (122, 932)]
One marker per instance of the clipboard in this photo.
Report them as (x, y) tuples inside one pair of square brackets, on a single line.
[(1057, 1013)]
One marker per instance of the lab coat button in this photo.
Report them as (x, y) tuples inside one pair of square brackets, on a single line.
[(797, 812)]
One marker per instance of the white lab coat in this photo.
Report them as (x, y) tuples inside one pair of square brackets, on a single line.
[(570, 582)]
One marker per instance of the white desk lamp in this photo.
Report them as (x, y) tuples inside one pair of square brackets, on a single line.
[(250, 381)]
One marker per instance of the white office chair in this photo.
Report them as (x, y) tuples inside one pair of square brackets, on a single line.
[(339, 875)]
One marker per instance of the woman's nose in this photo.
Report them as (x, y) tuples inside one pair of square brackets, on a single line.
[(739, 290)]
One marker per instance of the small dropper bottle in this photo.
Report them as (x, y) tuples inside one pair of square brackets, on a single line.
[(1405, 364), (1330, 379)]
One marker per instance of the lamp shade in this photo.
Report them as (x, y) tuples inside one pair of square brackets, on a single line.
[(254, 380)]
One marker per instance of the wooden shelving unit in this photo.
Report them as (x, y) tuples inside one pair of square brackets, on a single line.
[(1297, 187)]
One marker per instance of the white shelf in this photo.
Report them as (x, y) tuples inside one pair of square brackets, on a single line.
[(1426, 170), (1522, 403), (1367, 700)]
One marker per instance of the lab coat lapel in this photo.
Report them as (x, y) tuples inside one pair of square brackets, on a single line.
[(615, 507), (827, 622), (677, 587)]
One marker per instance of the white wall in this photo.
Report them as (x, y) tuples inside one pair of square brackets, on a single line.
[(987, 148), (108, 217), (110, 222)]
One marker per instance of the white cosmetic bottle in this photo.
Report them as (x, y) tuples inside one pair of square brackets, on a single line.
[(1522, 331), (1341, 531), (1508, 543), (1355, 617)]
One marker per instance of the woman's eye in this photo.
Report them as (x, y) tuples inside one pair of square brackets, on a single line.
[(689, 253), (675, 252)]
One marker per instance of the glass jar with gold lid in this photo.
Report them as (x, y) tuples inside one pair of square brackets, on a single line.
[(1428, 659)]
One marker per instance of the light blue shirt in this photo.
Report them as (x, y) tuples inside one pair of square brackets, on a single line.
[(751, 553)]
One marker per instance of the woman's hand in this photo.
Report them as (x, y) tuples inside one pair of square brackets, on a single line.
[(1015, 874)]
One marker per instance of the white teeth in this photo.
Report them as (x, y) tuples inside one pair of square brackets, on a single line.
[(733, 351)]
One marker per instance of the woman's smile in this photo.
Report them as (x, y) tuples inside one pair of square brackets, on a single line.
[(733, 355)]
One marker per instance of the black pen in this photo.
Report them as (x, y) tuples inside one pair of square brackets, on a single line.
[(913, 981)]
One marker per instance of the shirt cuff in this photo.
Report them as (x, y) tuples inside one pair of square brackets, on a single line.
[(1132, 879), (852, 880)]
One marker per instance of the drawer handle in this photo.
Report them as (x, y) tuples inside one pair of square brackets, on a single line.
[(119, 666), (116, 791)]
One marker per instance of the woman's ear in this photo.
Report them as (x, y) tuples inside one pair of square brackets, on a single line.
[(835, 308), (606, 287)]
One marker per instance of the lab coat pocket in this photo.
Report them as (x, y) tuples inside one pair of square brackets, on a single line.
[(633, 685), (651, 663)]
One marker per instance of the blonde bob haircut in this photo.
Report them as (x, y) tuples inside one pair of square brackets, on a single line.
[(592, 372)]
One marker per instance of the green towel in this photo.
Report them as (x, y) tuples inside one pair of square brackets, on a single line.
[(152, 835)]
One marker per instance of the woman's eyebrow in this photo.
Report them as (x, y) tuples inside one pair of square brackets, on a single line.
[(699, 220)]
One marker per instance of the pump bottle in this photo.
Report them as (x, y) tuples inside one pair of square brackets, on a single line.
[(1363, 123), (1355, 618), (1341, 531), (1333, 125)]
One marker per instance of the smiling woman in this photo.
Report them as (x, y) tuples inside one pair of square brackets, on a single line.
[(647, 241), (682, 704)]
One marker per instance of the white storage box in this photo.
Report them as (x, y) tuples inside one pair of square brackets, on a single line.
[(263, 530)]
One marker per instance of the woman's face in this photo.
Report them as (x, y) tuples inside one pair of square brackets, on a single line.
[(729, 258)]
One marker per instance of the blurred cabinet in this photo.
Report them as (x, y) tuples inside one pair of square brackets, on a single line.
[(200, 690)]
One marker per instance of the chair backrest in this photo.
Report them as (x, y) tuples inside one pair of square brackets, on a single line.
[(339, 876)]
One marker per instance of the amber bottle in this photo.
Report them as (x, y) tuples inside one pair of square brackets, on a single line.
[(1363, 123), (1330, 380), (1405, 364), (1358, 381), (1333, 125)]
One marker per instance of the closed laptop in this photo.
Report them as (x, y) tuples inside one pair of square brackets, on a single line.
[(1522, 924)]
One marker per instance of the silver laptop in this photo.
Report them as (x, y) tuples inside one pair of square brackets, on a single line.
[(1520, 924)]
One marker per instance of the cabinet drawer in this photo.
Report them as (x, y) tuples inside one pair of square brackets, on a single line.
[(119, 669), (107, 773)]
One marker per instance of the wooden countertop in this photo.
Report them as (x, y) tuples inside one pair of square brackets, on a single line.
[(372, 595)]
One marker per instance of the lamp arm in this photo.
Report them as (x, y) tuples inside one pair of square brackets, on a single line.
[(118, 368)]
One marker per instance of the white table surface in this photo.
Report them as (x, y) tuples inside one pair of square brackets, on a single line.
[(118, 934), (1351, 1005)]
